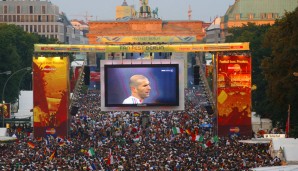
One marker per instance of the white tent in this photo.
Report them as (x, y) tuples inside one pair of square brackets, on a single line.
[(277, 168), (25, 105), (289, 146)]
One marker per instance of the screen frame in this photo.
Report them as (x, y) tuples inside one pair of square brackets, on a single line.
[(138, 63), (149, 66)]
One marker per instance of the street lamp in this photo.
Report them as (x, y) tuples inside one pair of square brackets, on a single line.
[(6, 73), (2, 97)]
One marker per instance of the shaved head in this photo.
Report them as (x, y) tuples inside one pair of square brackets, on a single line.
[(140, 86), (135, 80)]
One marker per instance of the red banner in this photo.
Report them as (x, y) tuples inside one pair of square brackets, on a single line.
[(50, 96), (6, 110), (234, 95)]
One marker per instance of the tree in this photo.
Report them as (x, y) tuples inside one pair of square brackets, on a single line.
[(255, 35), (279, 67), (17, 47)]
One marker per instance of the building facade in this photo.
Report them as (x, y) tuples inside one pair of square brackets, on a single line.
[(213, 32), (37, 16), (255, 11)]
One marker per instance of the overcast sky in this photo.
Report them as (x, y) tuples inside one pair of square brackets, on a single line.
[(167, 9)]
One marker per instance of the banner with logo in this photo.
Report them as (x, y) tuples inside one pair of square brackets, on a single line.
[(94, 78), (50, 96), (6, 110), (234, 95), (182, 47)]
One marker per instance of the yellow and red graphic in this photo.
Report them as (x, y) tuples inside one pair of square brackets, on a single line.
[(234, 95), (209, 70), (50, 96), (6, 110)]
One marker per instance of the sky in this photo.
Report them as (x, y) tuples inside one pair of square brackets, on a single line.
[(204, 10)]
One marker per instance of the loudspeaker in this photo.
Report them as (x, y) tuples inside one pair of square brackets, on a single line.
[(87, 75), (196, 75), (209, 109), (74, 110)]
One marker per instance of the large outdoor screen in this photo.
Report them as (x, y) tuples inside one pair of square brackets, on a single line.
[(141, 86)]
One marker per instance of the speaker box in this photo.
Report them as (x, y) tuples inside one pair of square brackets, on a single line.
[(209, 109), (196, 75), (74, 110), (87, 75)]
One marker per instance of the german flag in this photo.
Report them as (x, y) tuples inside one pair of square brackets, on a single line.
[(188, 131), (52, 155), (61, 144), (39, 139), (31, 144)]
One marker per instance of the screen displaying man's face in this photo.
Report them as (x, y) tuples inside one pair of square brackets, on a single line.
[(143, 88)]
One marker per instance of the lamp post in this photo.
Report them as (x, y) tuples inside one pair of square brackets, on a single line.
[(2, 97), (6, 73)]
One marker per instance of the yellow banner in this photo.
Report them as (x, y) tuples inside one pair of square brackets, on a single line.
[(142, 48), (50, 96)]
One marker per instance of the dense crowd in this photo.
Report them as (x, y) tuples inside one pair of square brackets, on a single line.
[(157, 140)]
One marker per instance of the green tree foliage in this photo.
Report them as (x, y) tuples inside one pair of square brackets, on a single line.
[(279, 67), (255, 35), (16, 52)]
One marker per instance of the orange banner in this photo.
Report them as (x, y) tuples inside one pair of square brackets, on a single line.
[(6, 110), (234, 95), (50, 96)]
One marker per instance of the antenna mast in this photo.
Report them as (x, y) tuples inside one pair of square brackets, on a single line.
[(189, 12)]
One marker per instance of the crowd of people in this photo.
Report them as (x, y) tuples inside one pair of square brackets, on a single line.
[(157, 140)]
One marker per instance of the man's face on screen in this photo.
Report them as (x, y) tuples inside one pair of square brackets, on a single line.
[(143, 89)]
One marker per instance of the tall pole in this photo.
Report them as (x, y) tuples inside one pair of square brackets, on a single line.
[(288, 122), (2, 97)]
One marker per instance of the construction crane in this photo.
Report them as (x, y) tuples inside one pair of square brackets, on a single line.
[(87, 17)]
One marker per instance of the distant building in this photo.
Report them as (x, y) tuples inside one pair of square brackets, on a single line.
[(213, 32), (125, 12), (80, 25), (37, 16), (255, 11)]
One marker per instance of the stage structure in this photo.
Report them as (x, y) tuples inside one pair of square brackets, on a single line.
[(233, 75), (232, 79), (50, 95)]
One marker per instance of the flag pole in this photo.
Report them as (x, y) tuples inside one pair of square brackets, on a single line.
[(288, 121)]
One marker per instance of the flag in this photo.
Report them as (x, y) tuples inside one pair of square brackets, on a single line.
[(197, 138), (47, 141), (68, 141), (204, 146), (61, 144), (288, 123), (92, 167), (39, 139), (31, 144), (214, 139), (188, 131), (177, 130), (59, 139), (208, 143), (136, 139), (110, 158), (52, 155), (91, 152)]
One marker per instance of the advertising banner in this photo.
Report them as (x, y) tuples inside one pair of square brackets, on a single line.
[(143, 48), (6, 110), (94, 78), (234, 95), (50, 96)]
